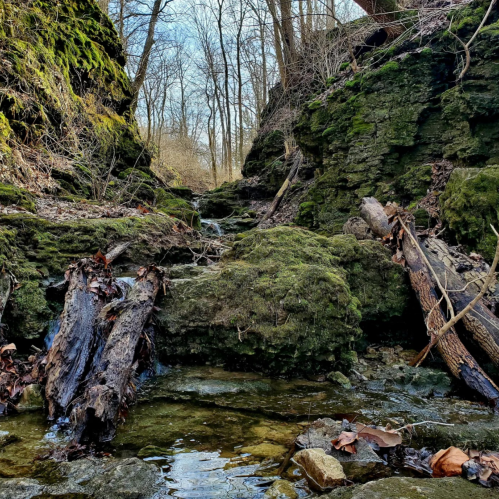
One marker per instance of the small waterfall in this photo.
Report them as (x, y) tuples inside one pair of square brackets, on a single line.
[(212, 226), (54, 327)]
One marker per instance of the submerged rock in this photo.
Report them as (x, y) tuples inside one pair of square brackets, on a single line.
[(414, 488), (93, 479), (281, 489), (322, 471), (31, 398), (338, 378)]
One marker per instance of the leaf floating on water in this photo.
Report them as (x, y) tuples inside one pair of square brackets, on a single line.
[(448, 462), (377, 436), (345, 442)]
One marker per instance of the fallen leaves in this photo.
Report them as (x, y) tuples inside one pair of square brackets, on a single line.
[(448, 462), (378, 436), (345, 442)]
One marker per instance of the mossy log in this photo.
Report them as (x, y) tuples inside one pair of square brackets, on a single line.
[(459, 361), (91, 286), (96, 416)]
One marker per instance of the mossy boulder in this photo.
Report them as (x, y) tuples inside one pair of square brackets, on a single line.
[(280, 302), (469, 206), (12, 195), (226, 200), (177, 207)]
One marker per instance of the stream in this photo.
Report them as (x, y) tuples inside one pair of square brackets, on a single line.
[(216, 434)]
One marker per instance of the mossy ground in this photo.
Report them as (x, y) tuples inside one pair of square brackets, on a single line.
[(281, 302)]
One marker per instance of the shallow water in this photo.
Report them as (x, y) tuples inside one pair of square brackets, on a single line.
[(222, 434)]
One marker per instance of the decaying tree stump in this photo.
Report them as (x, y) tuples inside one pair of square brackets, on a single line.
[(460, 362), (91, 286), (97, 413)]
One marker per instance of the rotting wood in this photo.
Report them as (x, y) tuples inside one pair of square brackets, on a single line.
[(459, 361), (96, 414), (91, 285), (278, 197)]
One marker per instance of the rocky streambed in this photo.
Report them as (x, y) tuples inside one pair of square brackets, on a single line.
[(205, 432)]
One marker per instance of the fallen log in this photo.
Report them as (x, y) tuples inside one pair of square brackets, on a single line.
[(459, 361), (463, 278), (90, 287), (278, 197), (97, 413)]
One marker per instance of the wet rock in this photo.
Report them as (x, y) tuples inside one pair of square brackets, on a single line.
[(7, 438), (98, 479), (281, 489), (265, 450), (152, 451), (414, 488), (31, 398), (339, 379), (360, 467), (322, 471)]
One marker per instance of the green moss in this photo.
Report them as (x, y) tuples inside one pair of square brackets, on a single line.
[(11, 195), (315, 105), (181, 209), (344, 65), (280, 301), (469, 205)]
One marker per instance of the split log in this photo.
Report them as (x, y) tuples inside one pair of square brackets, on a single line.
[(459, 361), (91, 286), (278, 197), (95, 417)]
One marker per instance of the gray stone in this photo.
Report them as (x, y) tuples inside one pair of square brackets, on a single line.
[(322, 471), (414, 488)]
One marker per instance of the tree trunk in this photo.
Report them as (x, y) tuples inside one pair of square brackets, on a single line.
[(140, 76), (459, 361), (384, 12), (76, 341), (96, 417)]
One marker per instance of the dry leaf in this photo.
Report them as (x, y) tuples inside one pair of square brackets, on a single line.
[(8, 349), (448, 462), (99, 257), (345, 442), (379, 437)]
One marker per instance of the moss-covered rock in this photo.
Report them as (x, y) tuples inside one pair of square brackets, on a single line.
[(469, 206), (167, 203), (379, 133), (228, 199), (12, 195), (64, 87), (33, 248), (280, 302)]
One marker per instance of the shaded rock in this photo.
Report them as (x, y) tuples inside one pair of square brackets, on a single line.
[(339, 379), (358, 227), (414, 488), (281, 489), (322, 471), (7, 438)]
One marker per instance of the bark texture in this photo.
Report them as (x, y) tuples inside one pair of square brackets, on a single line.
[(96, 416)]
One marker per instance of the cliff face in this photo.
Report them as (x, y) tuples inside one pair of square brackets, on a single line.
[(64, 97), (397, 124)]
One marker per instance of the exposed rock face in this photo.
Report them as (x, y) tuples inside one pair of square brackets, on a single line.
[(414, 488), (64, 87), (378, 132), (322, 471), (283, 300)]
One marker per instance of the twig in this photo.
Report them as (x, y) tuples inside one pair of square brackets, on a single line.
[(423, 422), (466, 46)]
